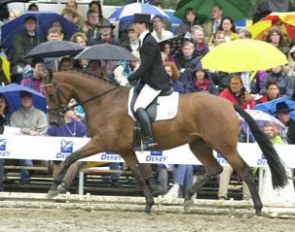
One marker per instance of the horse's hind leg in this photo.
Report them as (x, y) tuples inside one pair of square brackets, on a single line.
[(132, 162), (204, 153), (239, 165)]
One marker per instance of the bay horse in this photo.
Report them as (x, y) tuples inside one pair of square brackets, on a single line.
[(205, 122)]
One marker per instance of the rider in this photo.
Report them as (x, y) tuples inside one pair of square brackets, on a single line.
[(151, 74)]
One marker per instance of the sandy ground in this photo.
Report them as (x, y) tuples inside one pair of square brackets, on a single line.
[(55, 220)]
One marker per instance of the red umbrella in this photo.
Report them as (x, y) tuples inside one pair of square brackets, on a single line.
[(285, 20)]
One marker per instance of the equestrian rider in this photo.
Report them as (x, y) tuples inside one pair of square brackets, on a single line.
[(151, 74)]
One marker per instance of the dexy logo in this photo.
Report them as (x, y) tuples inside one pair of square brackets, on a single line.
[(110, 156), (66, 148), (3, 151), (156, 156), (2, 144), (262, 161)]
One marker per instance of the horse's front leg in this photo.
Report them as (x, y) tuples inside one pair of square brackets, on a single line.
[(91, 148), (132, 162)]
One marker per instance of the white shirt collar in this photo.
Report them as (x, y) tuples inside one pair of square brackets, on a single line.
[(143, 35)]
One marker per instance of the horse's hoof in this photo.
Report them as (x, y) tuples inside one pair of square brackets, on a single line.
[(187, 205), (61, 188), (147, 209), (52, 193)]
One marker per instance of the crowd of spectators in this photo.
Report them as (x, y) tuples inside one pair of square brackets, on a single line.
[(182, 49)]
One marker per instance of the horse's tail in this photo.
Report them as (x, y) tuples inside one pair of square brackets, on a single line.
[(278, 172)]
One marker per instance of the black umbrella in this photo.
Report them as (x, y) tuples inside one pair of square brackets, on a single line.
[(54, 49), (105, 52), (3, 2)]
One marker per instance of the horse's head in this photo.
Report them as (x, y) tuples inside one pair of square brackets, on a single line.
[(57, 96)]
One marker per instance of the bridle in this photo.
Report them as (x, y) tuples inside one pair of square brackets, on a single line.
[(60, 109)]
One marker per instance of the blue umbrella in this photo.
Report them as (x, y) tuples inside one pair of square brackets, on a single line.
[(44, 22), (137, 8), (270, 107), (12, 94)]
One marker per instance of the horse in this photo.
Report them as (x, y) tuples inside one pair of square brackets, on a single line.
[(205, 122)]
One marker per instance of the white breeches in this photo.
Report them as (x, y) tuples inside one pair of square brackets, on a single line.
[(145, 97)]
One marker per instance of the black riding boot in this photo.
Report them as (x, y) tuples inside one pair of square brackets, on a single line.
[(145, 123)]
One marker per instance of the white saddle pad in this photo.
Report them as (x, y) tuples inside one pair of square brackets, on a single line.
[(166, 108)]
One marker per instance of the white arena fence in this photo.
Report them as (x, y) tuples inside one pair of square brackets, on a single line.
[(58, 148)]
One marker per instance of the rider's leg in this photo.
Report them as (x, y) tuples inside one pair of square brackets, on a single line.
[(145, 97)]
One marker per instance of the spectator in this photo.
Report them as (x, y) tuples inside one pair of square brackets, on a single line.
[(245, 34), (33, 7), (4, 121), (159, 33), (277, 38), (68, 14), (266, 7), (200, 81), (161, 6), (125, 69), (272, 92), (228, 27), (201, 46), (53, 34), (34, 79), (96, 6), (182, 181), (65, 64), (31, 121), (174, 75), (237, 94), (95, 68), (190, 19), (166, 48), (283, 114), (23, 42), (73, 5), (211, 26), (90, 27), (217, 38), (282, 79), (268, 193), (81, 39), (106, 34), (186, 56), (132, 43), (71, 128)]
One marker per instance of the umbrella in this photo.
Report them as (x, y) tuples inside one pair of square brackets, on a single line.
[(44, 22), (270, 107), (243, 55), (233, 8), (129, 10), (54, 49), (105, 52), (5, 66), (12, 94), (262, 117), (4, 2), (285, 20)]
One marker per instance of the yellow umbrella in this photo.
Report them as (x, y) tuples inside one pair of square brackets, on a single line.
[(5, 67), (243, 55)]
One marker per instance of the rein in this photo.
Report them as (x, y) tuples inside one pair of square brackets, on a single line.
[(64, 109)]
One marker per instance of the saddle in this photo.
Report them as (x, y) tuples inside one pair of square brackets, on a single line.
[(164, 107)]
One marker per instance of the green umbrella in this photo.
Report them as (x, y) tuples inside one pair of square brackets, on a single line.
[(236, 9)]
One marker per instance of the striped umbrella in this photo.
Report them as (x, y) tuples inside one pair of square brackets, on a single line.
[(129, 10)]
